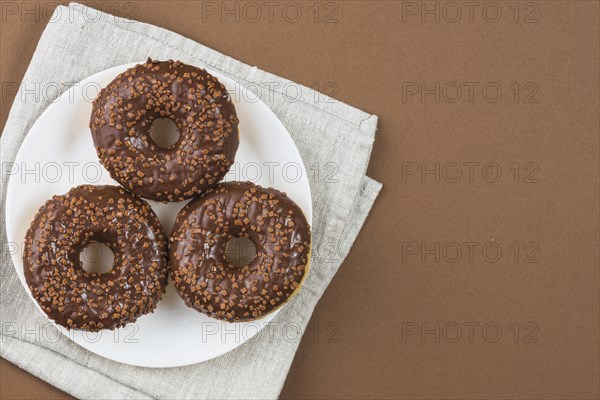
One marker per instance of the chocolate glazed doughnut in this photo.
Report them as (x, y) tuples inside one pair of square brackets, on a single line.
[(70, 295), (202, 274), (123, 114)]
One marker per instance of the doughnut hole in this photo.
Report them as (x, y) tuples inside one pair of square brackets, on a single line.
[(240, 251), (97, 258), (164, 133)]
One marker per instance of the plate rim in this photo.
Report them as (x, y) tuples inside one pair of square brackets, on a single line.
[(9, 205)]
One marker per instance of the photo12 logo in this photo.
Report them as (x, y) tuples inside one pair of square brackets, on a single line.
[(53, 172), (290, 332), (51, 12), (325, 12), (36, 92), (46, 333), (252, 92), (471, 332), (452, 252), (452, 92), (469, 172), (290, 172), (454, 12)]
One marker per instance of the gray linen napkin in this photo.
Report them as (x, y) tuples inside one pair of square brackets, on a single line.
[(81, 41)]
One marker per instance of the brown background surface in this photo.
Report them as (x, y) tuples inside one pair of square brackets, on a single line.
[(388, 325)]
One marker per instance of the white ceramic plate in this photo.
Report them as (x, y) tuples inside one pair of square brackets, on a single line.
[(58, 154)]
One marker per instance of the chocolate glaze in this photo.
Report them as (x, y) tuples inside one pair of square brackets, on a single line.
[(123, 114), (75, 298), (202, 274)]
